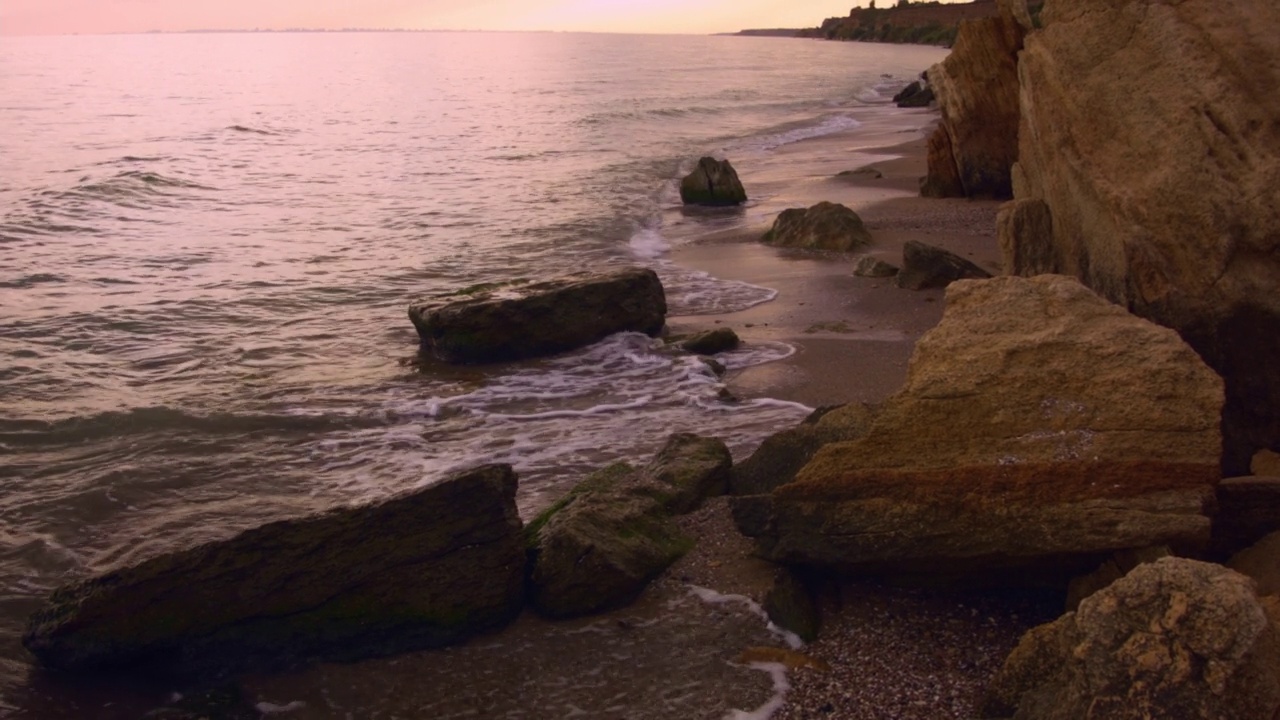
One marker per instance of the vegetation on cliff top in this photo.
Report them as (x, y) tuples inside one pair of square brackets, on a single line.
[(926, 23)]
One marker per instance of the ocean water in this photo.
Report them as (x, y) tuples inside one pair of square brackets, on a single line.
[(208, 243)]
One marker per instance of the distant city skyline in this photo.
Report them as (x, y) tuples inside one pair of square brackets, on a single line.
[(58, 17)]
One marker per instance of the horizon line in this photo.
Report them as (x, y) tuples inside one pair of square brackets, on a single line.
[(261, 31)]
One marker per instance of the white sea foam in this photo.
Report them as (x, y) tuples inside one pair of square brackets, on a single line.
[(778, 672), (828, 126)]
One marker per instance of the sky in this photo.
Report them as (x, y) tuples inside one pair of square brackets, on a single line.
[(49, 17)]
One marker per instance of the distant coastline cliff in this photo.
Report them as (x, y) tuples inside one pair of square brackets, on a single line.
[(925, 23)]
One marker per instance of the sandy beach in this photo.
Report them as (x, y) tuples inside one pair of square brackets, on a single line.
[(853, 336)]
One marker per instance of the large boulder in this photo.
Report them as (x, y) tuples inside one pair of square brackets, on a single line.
[(713, 182), (521, 320), (598, 547), (425, 569), (977, 93), (925, 266), (1039, 427), (1173, 639), (825, 226), (777, 460), (1150, 133)]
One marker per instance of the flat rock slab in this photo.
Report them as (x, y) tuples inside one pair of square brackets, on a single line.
[(425, 569), (519, 320)]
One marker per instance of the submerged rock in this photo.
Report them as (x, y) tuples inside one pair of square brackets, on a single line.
[(1040, 428), (713, 182), (599, 546), (526, 320), (916, 95), (711, 342), (926, 266), (1150, 134), (422, 570), (1173, 639), (825, 226)]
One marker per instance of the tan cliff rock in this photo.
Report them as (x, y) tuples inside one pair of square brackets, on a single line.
[(1174, 638), (1039, 427), (1150, 169), (976, 142)]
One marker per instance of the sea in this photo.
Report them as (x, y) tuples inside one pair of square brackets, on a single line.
[(208, 243)]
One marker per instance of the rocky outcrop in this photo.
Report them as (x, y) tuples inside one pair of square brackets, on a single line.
[(713, 182), (873, 267), (1039, 427), (1173, 639), (1149, 133), (522, 320), (977, 92), (599, 546), (426, 569), (825, 226), (926, 266), (711, 342)]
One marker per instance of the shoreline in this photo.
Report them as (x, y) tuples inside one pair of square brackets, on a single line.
[(841, 325)]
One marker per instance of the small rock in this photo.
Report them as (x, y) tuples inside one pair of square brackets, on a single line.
[(790, 605), (925, 266), (712, 342), (716, 366), (873, 267)]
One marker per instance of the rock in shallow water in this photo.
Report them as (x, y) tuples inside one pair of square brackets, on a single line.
[(425, 569), (601, 544), (713, 182), (525, 320), (1040, 427), (711, 342)]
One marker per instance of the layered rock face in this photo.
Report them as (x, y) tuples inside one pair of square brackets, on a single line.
[(525, 320), (976, 142), (825, 226), (1039, 426), (1172, 639), (1149, 167), (423, 570)]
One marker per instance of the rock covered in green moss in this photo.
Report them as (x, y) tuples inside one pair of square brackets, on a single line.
[(425, 569), (514, 321), (599, 546)]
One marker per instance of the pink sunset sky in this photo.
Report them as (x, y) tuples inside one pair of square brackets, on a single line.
[(43, 17)]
